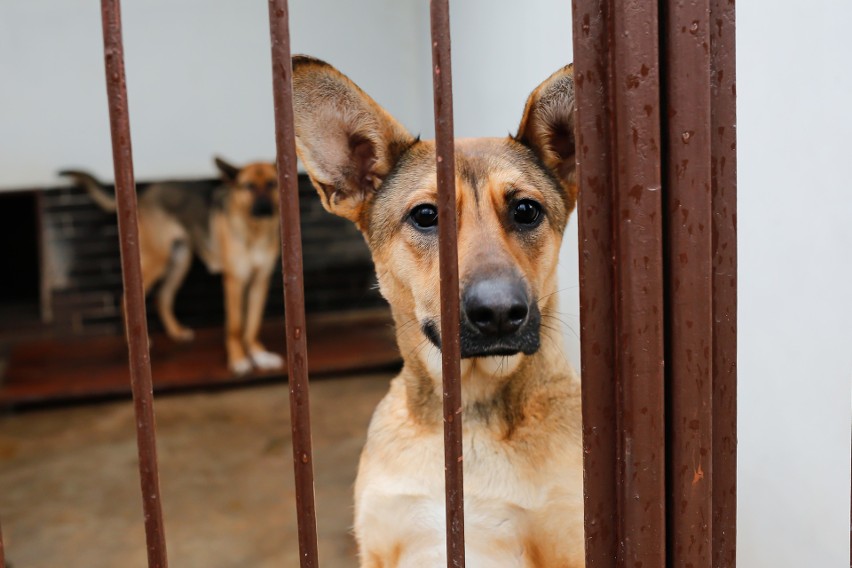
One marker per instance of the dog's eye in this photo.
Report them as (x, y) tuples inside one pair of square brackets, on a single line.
[(424, 216), (526, 212)]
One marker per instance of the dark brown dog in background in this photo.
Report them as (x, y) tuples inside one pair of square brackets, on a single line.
[(233, 226)]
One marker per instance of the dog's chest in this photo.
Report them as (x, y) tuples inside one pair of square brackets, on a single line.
[(245, 247), (509, 494)]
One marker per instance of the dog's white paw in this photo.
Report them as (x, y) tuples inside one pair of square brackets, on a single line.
[(241, 367), (266, 360)]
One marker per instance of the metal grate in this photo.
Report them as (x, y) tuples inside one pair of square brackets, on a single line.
[(655, 128), (655, 131)]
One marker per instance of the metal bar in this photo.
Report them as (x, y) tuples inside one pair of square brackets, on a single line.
[(294, 291), (448, 258), (595, 211), (2, 549), (686, 76), (136, 327), (639, 283), (724, 193)]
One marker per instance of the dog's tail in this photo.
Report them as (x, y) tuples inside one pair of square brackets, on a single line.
[(99, 193)]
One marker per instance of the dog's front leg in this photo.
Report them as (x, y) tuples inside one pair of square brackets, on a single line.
[(257, 293), (238, 361)]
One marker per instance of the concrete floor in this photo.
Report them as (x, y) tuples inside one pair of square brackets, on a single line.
[(69, 487)]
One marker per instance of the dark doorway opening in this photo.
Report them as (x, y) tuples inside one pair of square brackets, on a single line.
[(20, 275)]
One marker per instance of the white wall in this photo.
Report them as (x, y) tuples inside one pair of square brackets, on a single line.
[(199, 79), (795, 241), (199, 83)]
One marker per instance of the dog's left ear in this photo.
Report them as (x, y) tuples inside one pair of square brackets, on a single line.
[(547, 128), (229, 171)]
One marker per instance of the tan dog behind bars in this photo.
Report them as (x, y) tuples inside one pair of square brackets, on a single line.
[(233, 226), (521, 400)]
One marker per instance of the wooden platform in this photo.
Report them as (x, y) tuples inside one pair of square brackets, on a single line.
[(50, 371)]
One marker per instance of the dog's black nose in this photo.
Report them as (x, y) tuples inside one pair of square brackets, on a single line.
[(496, 306), (262, 207)]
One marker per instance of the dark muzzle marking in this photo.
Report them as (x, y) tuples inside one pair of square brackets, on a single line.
[(498, 319)]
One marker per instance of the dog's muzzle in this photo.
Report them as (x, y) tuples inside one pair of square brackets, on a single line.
[(497, 318), (262, 207)]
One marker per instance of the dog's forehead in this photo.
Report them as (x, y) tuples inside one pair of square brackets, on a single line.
[(257, 172)]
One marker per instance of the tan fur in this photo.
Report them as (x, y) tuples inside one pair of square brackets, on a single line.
[(227, 237), (249, 248), (521, 413)]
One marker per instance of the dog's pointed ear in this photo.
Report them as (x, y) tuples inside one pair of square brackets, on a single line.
[(229, 171), (547, 128), (347, 142)]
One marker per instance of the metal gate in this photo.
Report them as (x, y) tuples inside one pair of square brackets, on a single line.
[(656, 152)]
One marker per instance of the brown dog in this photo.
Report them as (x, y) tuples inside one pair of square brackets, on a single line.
[(521, 399), (232, 226)]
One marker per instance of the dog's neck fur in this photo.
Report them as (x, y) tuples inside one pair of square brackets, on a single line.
[(493, 386), (251, 228)]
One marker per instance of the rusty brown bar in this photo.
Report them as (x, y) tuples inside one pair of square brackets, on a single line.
[(2, 549), (449, 268), (294, 292), (686, 37), (639, 283), (595, 210), (724, 191), (136, 327)]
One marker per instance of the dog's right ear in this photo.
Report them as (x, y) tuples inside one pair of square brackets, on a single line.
[(229, 171), (346, 141)]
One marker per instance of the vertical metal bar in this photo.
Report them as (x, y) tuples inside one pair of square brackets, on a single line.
[(686, 66), (595, 211), (448, 257), (2, 549), (136, 327), (724, 236), (294, 292), (639, 283), (622, 303)]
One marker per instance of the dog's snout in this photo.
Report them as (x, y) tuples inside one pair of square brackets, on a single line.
[(496, 307), (262, 206)]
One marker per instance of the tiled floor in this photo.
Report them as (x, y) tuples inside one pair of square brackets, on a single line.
[(69, 489)]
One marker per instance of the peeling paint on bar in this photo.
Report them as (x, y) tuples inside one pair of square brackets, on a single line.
[(723, 161), (685, 35), (595, 210), (655, 125)]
